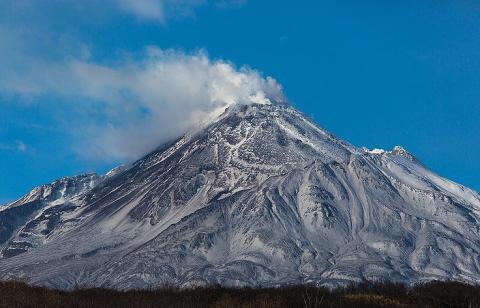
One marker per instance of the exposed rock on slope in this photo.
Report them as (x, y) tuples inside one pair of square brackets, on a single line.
[(262, 196)]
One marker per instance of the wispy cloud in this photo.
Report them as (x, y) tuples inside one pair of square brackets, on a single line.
[(17, 145), (149, 10), (21, 146), (142, 102), (161, 10), (122, 109)]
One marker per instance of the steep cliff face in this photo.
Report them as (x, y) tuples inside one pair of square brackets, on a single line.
[(261, 196)]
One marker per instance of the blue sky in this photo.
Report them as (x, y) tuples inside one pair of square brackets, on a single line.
[(375, 73)]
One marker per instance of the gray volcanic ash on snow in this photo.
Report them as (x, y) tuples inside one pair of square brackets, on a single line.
[(261, 196)]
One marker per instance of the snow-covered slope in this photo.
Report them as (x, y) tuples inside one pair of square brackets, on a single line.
[(262, 196)]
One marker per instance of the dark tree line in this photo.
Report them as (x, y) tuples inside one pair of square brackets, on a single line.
[(433, 294)]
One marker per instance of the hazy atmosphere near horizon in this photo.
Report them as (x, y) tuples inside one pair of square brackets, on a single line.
[(86, 86)]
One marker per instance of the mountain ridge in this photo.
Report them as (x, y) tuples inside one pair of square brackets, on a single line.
[(262, 196)]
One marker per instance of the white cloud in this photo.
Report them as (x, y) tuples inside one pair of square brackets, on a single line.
[(18, 145), (143, 103), (161, 10), (28, 11), (21, 146), (127, 107), (150, 9)]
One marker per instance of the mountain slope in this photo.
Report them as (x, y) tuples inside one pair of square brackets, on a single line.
[(262, 196)]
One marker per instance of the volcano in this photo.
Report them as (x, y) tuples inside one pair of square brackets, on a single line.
[(261, 196)]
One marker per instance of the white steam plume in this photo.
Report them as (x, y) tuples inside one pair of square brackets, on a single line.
[(143, 103)]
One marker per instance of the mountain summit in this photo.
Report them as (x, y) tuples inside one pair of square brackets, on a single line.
[(261, 196)]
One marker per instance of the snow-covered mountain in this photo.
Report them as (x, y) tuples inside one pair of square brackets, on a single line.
[(261, 196)]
